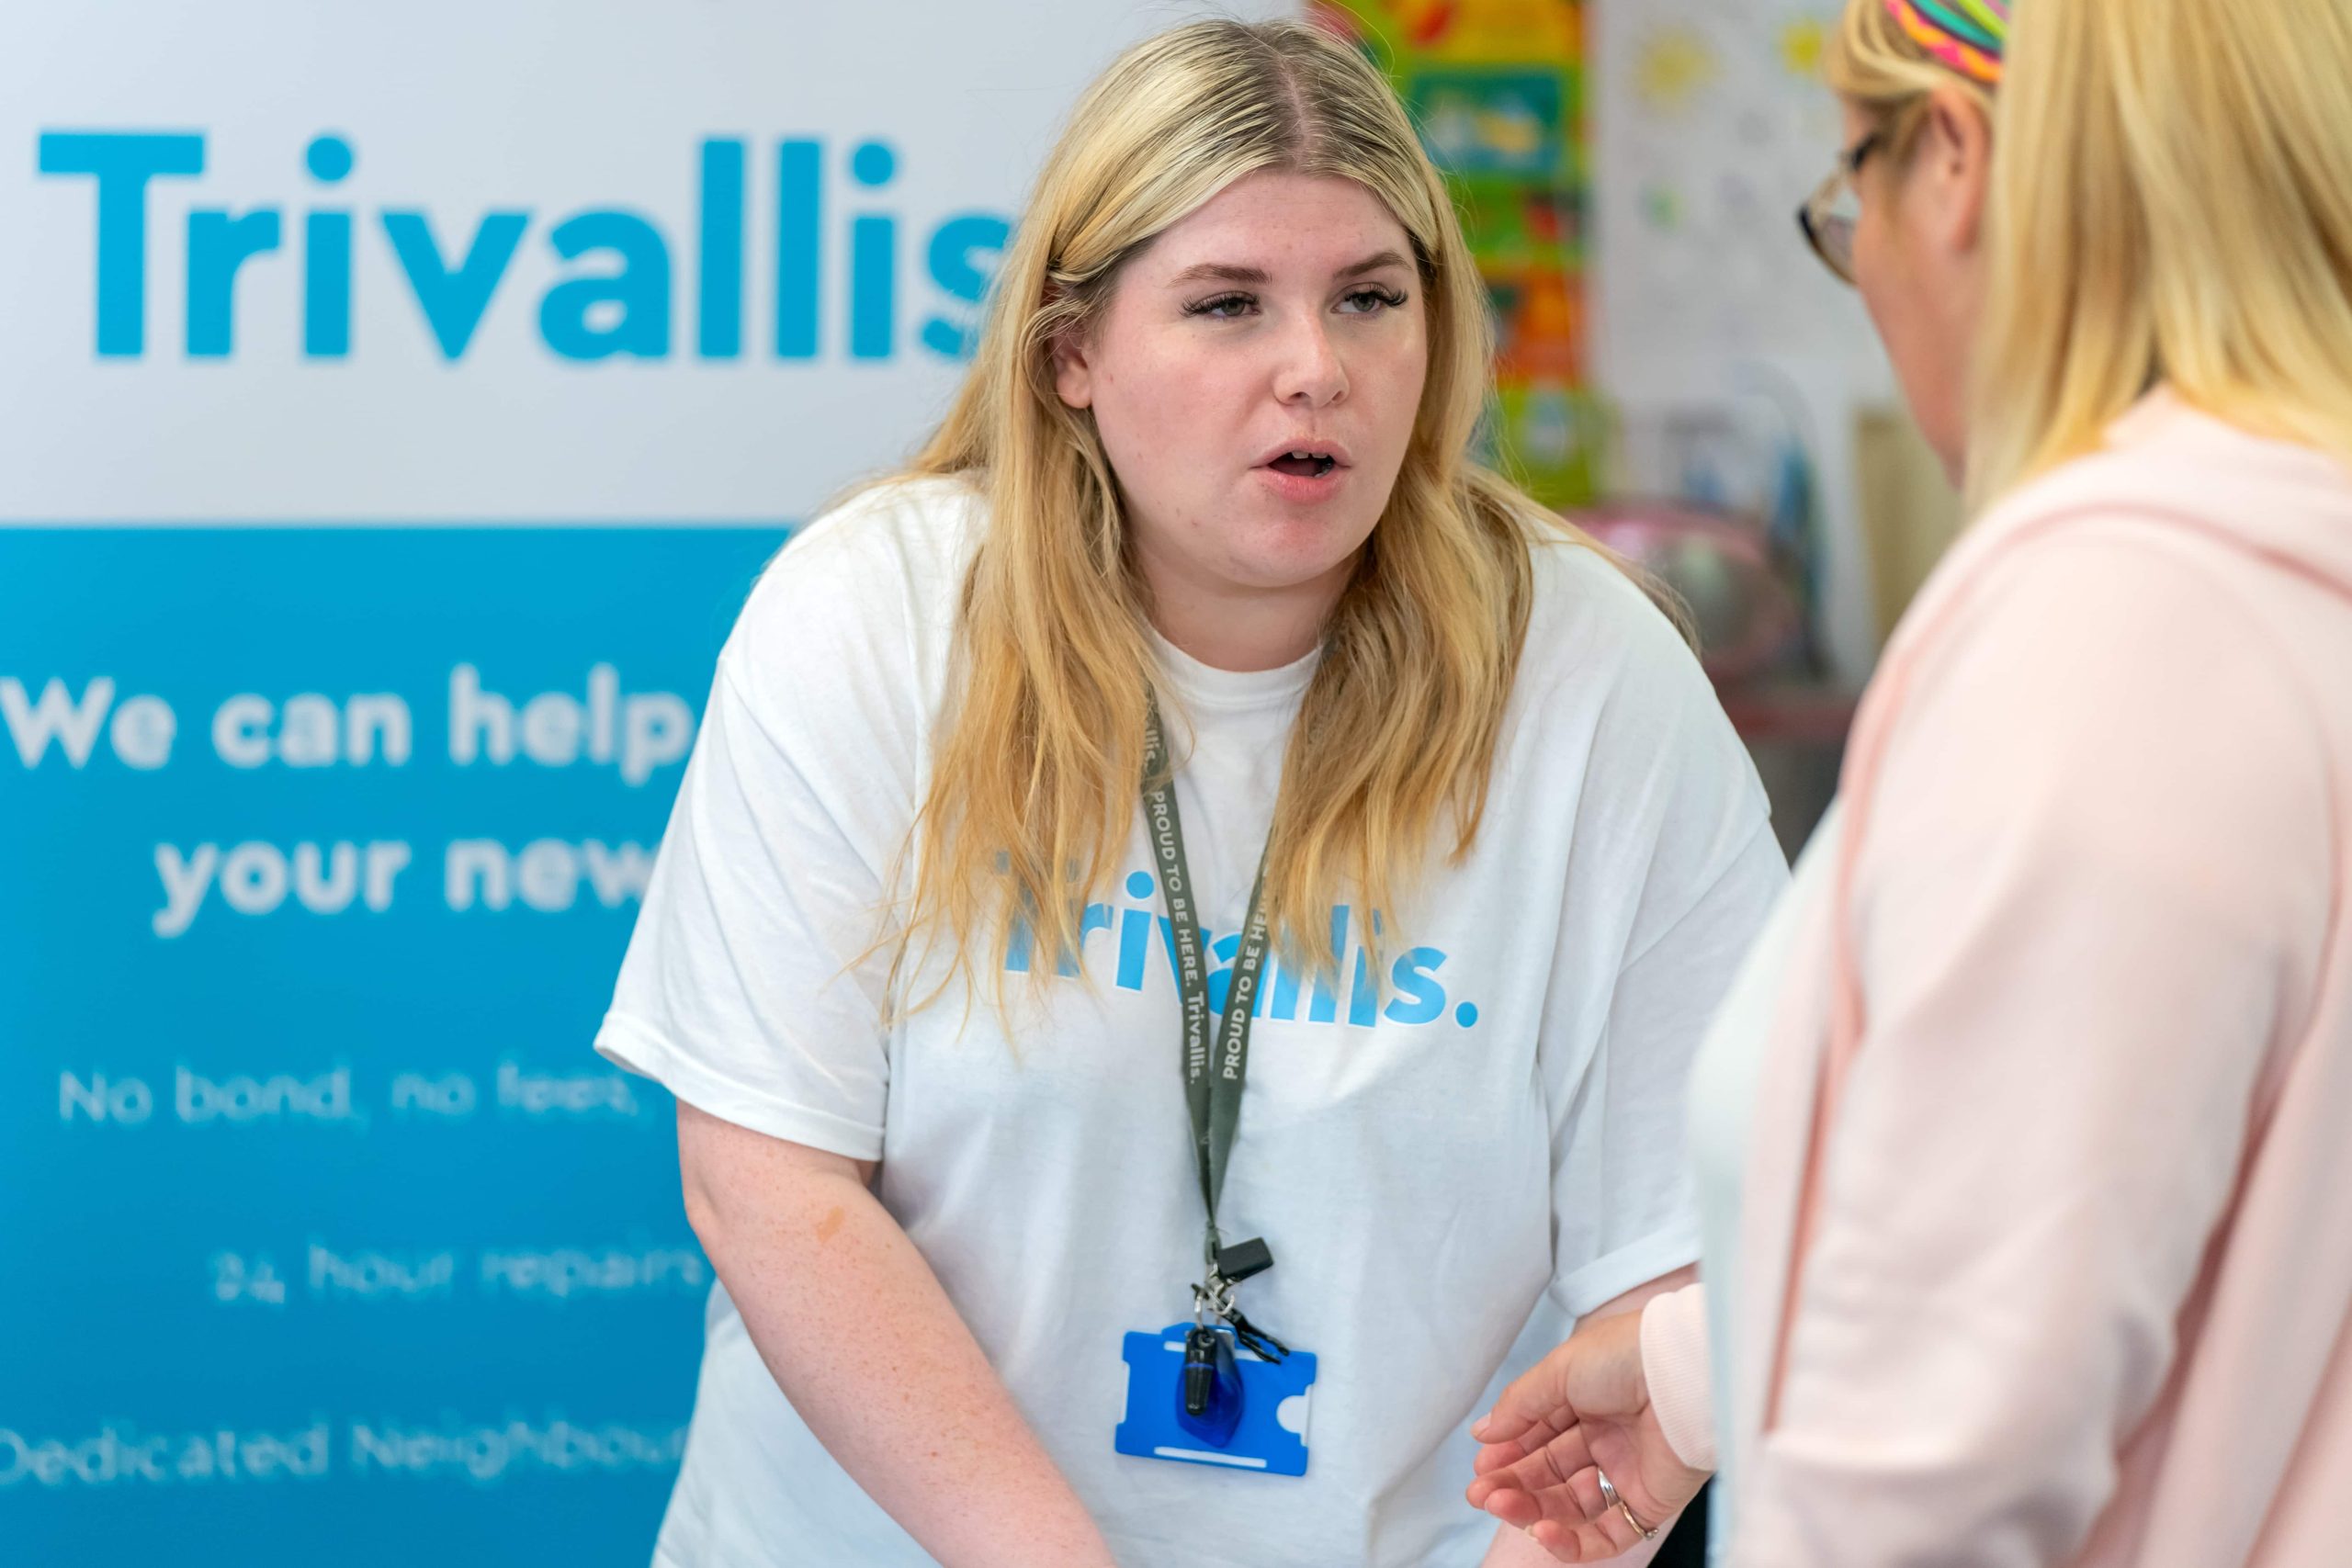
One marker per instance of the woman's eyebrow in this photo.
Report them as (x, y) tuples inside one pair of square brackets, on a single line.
[(1370, 264), (1220, 272), (1217, 271)]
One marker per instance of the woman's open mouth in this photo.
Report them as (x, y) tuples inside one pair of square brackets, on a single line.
[(1304, 476), (1306, 465)]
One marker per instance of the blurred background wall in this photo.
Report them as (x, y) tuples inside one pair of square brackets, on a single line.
[(395, 403)]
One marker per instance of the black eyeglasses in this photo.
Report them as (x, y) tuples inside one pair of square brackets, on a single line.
[(1828, 216)]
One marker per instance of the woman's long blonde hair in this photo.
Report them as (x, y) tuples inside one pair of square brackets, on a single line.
[(2171, 202), (1035, 774)]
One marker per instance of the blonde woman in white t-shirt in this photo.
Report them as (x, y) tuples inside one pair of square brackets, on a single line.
[(917, 970)]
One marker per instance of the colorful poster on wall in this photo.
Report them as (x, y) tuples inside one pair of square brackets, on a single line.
[(1717, 124), (1496, 87)]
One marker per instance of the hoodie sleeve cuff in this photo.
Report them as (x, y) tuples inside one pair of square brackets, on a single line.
[(1674, 1362)]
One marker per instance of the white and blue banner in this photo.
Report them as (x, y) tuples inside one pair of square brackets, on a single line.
[(396, 402)]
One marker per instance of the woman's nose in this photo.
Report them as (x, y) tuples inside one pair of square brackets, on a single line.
[(1309, 371)]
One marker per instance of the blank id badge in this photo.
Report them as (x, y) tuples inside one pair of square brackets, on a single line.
[(1253, 1416)]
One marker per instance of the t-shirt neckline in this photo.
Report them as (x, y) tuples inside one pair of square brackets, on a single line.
[(1205, 686)]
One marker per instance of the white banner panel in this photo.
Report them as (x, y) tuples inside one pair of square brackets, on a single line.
[(514, 260)]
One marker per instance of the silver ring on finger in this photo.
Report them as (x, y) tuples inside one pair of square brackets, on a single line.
[(1609, 1499)]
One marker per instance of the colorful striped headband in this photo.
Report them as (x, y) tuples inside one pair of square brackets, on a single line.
[(1966, 35)]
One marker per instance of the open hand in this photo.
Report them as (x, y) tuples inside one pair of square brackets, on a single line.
[(1584, 1408)]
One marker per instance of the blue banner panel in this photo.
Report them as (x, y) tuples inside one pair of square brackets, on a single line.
[(327, 1238)]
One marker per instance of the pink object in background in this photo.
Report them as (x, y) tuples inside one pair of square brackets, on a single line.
[(1721, 567)]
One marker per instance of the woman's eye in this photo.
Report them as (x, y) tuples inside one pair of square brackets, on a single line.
[(1358, 302), (1224, 307)]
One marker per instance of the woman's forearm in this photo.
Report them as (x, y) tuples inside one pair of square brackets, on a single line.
[(859, 1334)]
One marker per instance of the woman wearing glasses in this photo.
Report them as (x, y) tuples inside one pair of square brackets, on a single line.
[(2021, 1140)]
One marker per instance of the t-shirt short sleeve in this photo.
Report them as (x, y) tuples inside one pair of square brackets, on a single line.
[(753, 986), (1674, 870)]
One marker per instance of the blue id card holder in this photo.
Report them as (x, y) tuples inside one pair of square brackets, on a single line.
[(1254, 1417)]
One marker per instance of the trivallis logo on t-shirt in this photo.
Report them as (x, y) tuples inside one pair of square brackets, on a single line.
[(1414, 994)]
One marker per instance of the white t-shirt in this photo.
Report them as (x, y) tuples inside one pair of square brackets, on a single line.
[(1449, 1168)]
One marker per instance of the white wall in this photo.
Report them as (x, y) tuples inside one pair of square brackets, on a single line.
[(1708, 129)]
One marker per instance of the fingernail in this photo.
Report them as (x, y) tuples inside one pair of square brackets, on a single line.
[(1478, 1428)]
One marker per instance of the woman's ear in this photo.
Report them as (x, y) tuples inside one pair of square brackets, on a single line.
[(1954, 165), (1073, 376)]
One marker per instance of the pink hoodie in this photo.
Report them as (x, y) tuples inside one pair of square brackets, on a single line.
[(2045, 1232)]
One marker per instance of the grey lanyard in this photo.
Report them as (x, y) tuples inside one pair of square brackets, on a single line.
[(1214, 1071)]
